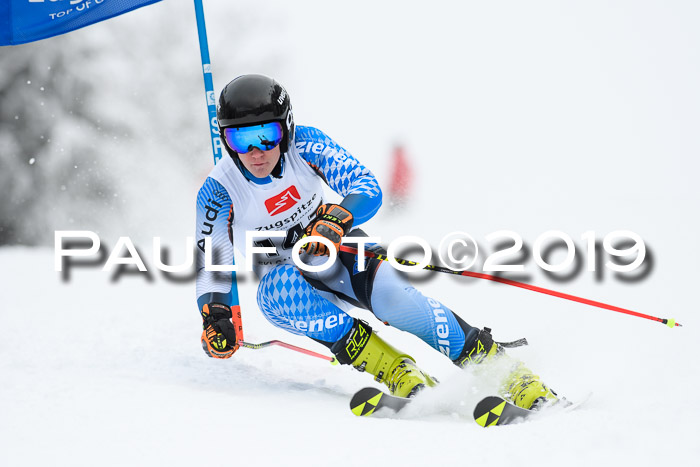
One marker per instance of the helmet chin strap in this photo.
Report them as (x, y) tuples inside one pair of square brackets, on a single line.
[(279, 168)]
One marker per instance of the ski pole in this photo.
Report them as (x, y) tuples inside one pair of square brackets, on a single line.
[(311, 353), (668, 322)]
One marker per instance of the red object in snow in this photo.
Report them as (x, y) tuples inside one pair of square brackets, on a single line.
[(401, 184)]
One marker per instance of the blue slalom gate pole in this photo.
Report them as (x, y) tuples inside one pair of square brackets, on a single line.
[(216, 145)]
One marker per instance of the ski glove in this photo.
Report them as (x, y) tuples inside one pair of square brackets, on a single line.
[(333, 222), (219, 335)]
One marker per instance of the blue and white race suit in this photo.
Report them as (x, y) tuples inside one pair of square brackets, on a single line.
[(231, 203)]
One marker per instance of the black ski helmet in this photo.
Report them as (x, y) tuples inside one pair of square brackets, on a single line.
[(251, 99)]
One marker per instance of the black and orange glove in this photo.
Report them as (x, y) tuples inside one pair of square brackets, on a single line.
[(333, 222), (219, 335)]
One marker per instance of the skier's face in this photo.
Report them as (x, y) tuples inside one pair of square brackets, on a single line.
[(260, 163)]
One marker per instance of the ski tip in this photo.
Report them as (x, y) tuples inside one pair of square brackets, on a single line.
[(365, 401), (489, 410)]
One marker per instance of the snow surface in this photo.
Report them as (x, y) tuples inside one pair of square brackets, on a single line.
[(113, 371), (522, 116)]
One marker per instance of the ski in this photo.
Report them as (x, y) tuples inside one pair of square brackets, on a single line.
[(490, 411), (366, 401), (494, 410)]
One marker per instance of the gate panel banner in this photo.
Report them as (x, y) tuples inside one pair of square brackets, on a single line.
[(24, 21)]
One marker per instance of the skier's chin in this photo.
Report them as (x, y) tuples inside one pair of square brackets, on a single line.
[(260, 170)]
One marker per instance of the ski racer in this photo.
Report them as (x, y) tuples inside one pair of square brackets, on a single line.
[(273, 182)]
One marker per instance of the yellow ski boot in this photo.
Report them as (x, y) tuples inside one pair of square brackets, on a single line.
[(366, 351), (524, 389), (521, 387)]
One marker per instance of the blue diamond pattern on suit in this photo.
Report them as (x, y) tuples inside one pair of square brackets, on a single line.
[(291, 303), (342, 171)]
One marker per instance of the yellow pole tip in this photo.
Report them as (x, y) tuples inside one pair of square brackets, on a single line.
[(334, 361), (671, 323)]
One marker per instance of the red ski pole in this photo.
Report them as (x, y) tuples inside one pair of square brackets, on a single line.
[(668, 322), (311, 353)]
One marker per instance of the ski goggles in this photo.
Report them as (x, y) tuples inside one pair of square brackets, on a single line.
[(243, 139)]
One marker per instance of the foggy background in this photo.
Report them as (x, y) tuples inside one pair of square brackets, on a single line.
[(525, 117), (105, 128)]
